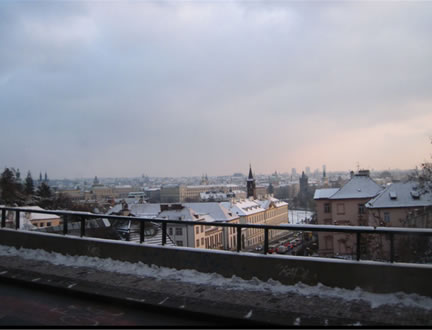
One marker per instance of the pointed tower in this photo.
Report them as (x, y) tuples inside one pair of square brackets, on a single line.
[(251, 189)]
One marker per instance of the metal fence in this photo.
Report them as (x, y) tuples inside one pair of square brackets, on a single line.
[(357, 230)]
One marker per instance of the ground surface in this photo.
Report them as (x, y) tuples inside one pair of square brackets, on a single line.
[(267, 307)]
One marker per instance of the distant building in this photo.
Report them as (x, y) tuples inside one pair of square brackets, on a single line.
[(172, 193), (251, 187)]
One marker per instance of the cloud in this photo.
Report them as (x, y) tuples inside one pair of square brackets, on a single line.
[(180, 88)]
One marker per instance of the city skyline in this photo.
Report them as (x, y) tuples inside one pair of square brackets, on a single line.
[(187, 88)]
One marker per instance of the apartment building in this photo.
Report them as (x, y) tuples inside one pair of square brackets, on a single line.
[(174, 193), (344, 206), (204, 235), (270, 211), (400, 204)]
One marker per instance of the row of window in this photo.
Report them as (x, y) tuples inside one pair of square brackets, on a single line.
[(340, 208), (42, 224), (178, 231)]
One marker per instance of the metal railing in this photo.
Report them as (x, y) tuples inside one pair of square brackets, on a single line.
[(357, 230)]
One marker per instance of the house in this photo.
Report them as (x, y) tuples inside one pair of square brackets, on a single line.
[(344, 206), (32, 221), (400, 204)]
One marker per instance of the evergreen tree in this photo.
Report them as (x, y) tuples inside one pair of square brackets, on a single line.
[(18, 175), (29, 185), (270, 189), (10, 188), (44, 190)]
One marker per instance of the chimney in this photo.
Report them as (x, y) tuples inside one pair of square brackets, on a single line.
[(363, 173)]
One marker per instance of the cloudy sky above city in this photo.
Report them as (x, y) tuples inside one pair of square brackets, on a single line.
[(179, 88)]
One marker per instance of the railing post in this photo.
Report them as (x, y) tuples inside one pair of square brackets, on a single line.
[(65, 224), (358, 246), (3, 219), (164, 227), (82, 226), (239, 230), (391, 248), (141, 231), (17, 219), (266, 240)]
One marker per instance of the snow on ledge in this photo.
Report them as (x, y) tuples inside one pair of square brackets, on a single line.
[(212, 279)]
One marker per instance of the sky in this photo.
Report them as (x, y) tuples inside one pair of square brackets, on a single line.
[(182, 88)]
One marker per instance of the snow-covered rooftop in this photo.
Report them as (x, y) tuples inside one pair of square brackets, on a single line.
[(401, 194), (360, 186), (216, 210), (244, 207), (39, 216), (185, 213), (325, 193), (265, 204)]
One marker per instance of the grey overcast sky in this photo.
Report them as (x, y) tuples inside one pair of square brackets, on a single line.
[(173, 88)]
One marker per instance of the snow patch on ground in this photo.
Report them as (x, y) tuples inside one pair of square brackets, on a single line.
[(234, 283)]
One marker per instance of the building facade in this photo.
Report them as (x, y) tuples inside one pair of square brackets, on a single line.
[(345, 207)]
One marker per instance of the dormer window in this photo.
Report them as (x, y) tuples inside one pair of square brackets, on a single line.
[(415, 194), (393, 195)]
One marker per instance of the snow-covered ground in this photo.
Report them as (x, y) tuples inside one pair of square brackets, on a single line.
[(234, 283), (298, 216)]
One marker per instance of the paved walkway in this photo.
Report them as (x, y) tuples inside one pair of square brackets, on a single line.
[(267, 307)]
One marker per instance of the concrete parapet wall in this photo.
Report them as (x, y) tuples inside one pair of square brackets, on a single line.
[(370, 276)]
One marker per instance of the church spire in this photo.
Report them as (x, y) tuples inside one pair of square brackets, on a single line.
[(251, 188)]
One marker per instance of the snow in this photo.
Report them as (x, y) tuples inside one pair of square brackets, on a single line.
[(298, 216), (325, 193), (358, 187), (248, 315), (212, 279), (402, 192)]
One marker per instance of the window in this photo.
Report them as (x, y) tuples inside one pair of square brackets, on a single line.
[(361, 209), (202, 241), (328, 242), (327, 208), (340, 208), (179, 243), (197, 242), (197, 230), (170, 232), (386, 216), (48, 224), (41, 224), (179, 231), (202, 228)]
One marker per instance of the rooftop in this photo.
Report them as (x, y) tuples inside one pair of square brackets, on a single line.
[(401, 194), (360, 186)]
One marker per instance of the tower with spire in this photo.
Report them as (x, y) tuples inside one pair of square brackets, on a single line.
[(251, 188)]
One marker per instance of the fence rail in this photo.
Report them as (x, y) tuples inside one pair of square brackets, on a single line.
[(358, 230)]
